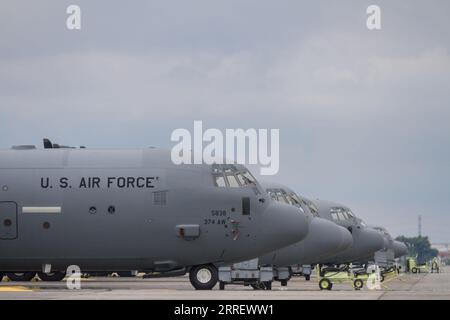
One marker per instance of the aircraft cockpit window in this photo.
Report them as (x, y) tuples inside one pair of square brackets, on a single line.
[(350, 214), (241, 179), (296, 198), (382, 230), (232, 181), (272, 194), (220, 181), (230, 176), (277, 195), (293, 200), (281, 197), (311, 207), (385, 231), (339, 214), (248, 178)]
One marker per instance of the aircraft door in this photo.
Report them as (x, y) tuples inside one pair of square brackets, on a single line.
[(8, 220), (239, 219)]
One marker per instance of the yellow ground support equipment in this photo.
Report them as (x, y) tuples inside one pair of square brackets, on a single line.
[(412, 266), (389, 273), (328, 276)]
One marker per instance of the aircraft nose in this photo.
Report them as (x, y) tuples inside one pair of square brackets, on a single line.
[(400, 249), (333, 238), (372, 240), (346, 239), (284, 224)]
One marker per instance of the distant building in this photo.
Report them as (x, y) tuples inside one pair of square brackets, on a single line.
[(443, 248)]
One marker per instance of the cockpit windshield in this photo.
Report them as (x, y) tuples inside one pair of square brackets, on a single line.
[(278, 195), (228, 175), (382, 230), (311, 206), (282, 195), (341, 214)]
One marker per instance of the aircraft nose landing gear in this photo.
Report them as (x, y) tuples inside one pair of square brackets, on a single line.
[(21, 276), (203, 277), (53, 276)]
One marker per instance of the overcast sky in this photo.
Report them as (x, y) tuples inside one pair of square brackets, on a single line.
[(364, 116)]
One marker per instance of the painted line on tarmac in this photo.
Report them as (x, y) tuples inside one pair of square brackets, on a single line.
[(15, 289)]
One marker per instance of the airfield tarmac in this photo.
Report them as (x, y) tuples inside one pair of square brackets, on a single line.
[(405, 286)]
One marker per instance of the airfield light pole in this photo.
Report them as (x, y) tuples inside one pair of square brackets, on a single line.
[(420, 225)]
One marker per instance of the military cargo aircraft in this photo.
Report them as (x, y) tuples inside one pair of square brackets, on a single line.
[(121, 210), (391, 250), (324, 239), (366, 241)]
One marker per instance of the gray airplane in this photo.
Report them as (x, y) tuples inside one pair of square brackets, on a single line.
[(121, 210), (366, 241), (324, 239), (391, 250)]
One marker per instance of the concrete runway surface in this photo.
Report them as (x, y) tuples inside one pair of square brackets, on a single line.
[(405, 286)]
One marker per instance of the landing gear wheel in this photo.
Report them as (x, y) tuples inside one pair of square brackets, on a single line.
[(21, 276), (268, 285), (221, 285), (258, 286), (414, 270), (204, 277), (125, 274), (307, 277), (358, 284), (284, 283), (52, 276), (325, 284)]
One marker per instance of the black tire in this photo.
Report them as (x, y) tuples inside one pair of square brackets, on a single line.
[(21, 276), (258, 286), (381, 278), (358, 284), (98, 274), (325, 284), (414, 270), (221, 285), (125, 274), (1, 277), (284, 283), (307, 277), (268, 285), (52, 276), (203, 277)]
